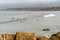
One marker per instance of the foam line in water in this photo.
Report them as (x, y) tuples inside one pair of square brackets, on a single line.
[(50, 15)]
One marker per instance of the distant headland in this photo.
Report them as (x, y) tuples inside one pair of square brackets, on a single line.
[(32, 9)]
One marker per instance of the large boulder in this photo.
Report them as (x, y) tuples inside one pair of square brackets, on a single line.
[(6, 36), (41, 38), (25, 36), (1, 37), (58, 34), (55, 36)]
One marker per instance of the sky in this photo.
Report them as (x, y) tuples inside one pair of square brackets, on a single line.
[(28, 2)]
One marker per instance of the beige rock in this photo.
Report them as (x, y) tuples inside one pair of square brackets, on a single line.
[(58, 34), (25, 36), (1, 37), (42, 38), (8, 36), (54, 38)]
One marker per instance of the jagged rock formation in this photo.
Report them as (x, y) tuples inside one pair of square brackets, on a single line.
[(7, 37), (28, 36), (25, 36), (55, 36), (41, 38)]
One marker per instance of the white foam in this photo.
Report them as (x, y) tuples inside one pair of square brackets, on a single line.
[(50, 15)]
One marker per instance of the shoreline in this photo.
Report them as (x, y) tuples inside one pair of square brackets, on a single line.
[(32, 9)]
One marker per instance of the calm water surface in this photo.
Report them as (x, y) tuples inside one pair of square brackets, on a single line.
[(29, 21)]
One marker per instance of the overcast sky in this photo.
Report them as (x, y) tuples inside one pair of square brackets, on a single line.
[(32, 3), (27, 1)]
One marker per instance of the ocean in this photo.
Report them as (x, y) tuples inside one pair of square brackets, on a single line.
[(30, 21)]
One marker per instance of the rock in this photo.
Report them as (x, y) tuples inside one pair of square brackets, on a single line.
[(25, 36), (41, 38), (46, 29), (55, 36), (1, 37), (58, 34), (8, 36)]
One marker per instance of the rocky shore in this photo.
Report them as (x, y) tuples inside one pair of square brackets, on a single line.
[(28, 36)]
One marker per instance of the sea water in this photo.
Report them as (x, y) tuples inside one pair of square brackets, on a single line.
[(30, 21)]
